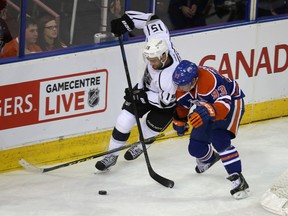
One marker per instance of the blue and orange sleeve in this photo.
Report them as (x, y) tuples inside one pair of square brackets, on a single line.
[(207, 89)]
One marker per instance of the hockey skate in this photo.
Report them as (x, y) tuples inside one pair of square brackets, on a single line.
[(202, 167), (106, 162), (240, 188), (133, 153)]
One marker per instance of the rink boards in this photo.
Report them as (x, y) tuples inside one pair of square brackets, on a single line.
[(64, 107)]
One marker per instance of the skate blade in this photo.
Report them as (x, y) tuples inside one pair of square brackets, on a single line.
[(241, 194)]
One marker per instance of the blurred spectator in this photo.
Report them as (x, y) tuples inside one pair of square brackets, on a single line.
[(115, 8), (114, 12), (272, 7), (233, 9), (48, 34), (187, 13), (222, 8), (5, 35), (31, 35), (90, 16)]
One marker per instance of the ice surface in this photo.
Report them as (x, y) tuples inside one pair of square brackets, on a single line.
[(73, 191)]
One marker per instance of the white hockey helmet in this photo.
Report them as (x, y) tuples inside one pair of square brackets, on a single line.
[(155, 47)]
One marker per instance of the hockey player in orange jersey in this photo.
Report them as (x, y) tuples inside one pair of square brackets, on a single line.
[(219, 108)]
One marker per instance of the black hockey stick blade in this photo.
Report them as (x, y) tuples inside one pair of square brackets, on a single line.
[(163, 181), (25, 164), (158, 178)]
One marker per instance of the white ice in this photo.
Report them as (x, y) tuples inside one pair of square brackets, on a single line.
[(73, 191)]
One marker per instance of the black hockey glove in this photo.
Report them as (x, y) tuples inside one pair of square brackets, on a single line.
[(121, 25), (139, 95)]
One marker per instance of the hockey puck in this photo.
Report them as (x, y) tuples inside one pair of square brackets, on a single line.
[(102, 192)]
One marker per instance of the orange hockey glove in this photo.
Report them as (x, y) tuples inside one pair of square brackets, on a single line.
[(180, 127), (202, 114), (180, 124)]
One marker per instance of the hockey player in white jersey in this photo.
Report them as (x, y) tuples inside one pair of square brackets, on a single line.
[(154, 94)]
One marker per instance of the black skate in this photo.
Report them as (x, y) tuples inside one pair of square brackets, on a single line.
[(133, 153), (202, 167), (106, 162), (240, 188)]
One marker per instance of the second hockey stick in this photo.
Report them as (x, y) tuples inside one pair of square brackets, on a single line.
[(160, 179), (25, 164)]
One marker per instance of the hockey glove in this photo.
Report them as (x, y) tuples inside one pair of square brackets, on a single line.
[(180, 124), (202, 114), (138, 95), (121, 25), (180, 127)]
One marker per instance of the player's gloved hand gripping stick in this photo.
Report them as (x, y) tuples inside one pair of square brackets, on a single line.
[(138, 95), (121, 25)]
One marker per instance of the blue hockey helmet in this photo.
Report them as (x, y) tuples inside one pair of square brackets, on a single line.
[(184, 73)]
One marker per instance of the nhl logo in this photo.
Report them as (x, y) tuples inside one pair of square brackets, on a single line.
[(93, 97)]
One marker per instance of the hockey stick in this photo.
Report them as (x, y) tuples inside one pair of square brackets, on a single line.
[(33, 168), (164, 181)]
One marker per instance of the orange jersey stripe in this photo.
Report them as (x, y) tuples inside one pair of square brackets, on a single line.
[(228, 157), (233, 127)]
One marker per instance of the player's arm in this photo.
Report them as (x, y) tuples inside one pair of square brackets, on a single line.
[(151, 24), (162, 100), (212, 90), (180, 119), (165, 96), (215, 103), (222, 107), (221, 104), (140, 19), (131, 20), (180, 116)]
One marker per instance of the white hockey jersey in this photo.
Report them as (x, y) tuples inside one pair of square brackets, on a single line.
[(161, 90)]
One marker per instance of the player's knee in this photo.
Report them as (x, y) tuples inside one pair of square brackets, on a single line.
[(117, 135), (221, 140), (201, 134), (125, 122), (197, 148)]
